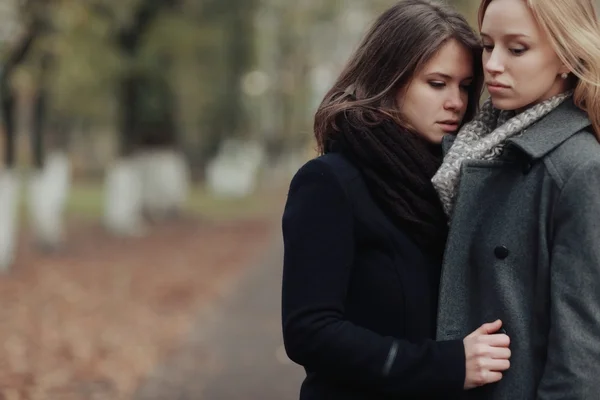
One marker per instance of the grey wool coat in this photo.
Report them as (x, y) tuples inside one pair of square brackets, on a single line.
[(524, 246)]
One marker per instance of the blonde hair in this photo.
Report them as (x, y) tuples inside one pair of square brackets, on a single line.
[(574, 31)]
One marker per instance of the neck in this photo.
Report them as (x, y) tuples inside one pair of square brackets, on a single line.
[(520, 110)]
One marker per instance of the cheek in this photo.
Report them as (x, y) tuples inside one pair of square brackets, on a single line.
[(532, 80), (485, 56), (526, 72), (425, 101), (534, 70), (421, 99)]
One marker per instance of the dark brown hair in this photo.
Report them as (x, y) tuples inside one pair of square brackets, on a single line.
[(397, 45)]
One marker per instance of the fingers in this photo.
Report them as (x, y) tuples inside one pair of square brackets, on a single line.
[(491, 377), (496, 340), (497, 365), (487, 371), (487, 355), (499, 353), (482, 350), (490, 327), (484, 377)]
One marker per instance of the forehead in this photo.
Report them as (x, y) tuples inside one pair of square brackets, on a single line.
[(509, 17), (452, 59)]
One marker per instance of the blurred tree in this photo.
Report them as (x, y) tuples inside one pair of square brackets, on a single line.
[(143, 96), (13, 58), (227, 54), (14, 53), (34, 26), (468, 8), (292, 47)]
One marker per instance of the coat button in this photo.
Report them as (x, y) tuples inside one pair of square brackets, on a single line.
[(501, 252), (527, 167)]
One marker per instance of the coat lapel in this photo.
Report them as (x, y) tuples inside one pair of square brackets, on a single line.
[(552, 130)]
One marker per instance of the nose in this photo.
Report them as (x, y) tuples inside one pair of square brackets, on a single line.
[(492, 62), (456, 100)]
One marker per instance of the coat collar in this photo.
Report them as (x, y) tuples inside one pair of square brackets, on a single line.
[(552, 130), (447, 141), (546, 134)]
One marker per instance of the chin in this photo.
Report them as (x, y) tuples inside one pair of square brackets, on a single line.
[(435, 137), (507, 104)]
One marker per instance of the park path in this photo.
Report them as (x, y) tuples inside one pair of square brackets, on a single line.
[(235, 350)]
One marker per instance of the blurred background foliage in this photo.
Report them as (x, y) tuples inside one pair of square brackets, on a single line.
[(209, 70)]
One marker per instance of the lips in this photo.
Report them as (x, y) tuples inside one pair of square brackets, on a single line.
[(497, 85), (449, 125)]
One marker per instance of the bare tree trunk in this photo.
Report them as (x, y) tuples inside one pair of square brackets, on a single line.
[(9, 182), (156, 180), (50, 180)]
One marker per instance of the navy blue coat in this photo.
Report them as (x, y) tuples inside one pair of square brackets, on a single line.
[(359, 298)]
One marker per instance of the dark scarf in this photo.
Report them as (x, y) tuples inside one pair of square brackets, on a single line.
[(397, 166)]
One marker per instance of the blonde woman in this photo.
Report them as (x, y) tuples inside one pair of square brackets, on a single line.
[(521, 186)]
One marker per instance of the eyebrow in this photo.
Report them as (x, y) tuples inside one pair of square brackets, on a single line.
[(446, 76), (508, 35)]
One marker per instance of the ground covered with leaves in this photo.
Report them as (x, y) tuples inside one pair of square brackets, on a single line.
[(91, 321)]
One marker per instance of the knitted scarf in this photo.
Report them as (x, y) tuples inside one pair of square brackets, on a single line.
[(484, 138), (397, 166)]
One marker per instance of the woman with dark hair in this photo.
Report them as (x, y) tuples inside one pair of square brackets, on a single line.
[(364, 230)]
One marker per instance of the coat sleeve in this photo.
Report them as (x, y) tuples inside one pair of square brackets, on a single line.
[(573, 356), (318, 232)]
